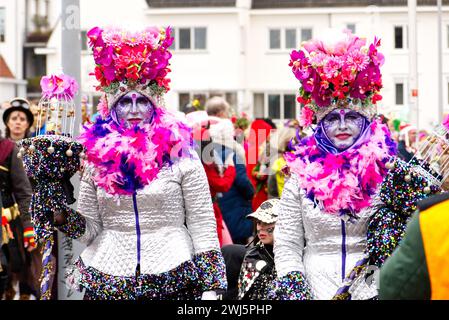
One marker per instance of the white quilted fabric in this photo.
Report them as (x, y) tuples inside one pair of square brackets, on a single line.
[(311, 241), (176, 221)]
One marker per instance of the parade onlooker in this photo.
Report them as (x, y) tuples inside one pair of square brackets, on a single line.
[(407, 142), (256, 281), (235, 204), (18, 237), (40, 119), (256, 167), (219, 107), (417, 269), (18, 119), (220, 175), (279, 142)]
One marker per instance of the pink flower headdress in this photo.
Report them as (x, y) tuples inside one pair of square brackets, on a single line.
[(131, 61), (341, 72)]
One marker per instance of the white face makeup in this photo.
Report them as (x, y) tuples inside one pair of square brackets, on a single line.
[(342, 127), (133, 109)]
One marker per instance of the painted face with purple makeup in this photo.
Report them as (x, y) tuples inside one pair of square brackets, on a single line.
[(343, 127), (133, 109)]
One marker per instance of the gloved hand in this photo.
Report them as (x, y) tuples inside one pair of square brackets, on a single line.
[(209, 295), (28, 239)]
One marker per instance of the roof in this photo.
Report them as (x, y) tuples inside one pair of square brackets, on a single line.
[(273, 4), (5, 72), (190, 3)]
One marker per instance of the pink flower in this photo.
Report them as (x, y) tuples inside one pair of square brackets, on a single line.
[(332, 67), (306, 117), (357, 60), (58, 86)]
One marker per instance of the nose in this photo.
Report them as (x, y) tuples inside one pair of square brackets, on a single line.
[(134, 108), (342, 125)]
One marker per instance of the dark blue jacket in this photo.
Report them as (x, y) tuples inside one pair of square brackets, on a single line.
[(235, 204)]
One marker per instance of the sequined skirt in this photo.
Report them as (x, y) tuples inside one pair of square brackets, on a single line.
[(180, 283)]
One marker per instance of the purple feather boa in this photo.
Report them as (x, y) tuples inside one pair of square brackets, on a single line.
[(344, 183), (128, 159)]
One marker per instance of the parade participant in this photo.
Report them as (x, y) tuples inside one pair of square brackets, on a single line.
[(17, 230), (18, 119), (144, 208), (256, 281), (335, 173), (280, 141)]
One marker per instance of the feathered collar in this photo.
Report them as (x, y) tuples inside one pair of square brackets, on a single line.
[(128, 159), (344, 183)]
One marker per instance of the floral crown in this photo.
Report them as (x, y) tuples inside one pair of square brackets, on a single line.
[(342, 73), (131, 61)]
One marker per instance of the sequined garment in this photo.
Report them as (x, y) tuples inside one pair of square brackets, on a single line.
[(179, 244), (323, 247), (257, 275)]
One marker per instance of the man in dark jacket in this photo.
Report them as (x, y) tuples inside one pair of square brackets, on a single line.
[(419, 268)]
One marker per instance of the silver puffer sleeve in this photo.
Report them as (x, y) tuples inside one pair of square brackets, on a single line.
[(289, 231), (200, 218), (88, 206)]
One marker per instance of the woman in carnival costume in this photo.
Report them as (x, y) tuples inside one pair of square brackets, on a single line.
[(144, 208), (335, 173)]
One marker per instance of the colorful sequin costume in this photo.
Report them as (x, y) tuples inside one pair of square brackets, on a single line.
[(144, 208), (326, 204)]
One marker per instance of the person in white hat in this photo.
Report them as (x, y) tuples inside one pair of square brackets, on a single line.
[(258, 272)]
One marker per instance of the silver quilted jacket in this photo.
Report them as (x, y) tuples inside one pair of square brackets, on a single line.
[(322, 246), (176, 222)]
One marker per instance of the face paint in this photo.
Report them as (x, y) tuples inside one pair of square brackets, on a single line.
[(342, 127), (265, 232), (133, 109)]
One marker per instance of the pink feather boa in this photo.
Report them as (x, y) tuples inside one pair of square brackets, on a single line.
[(128, 159), (344, 183)]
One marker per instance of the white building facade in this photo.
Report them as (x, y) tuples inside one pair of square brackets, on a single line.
[(240, 49), (11, 43)]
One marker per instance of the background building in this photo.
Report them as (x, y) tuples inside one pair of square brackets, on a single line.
[(240, 48)]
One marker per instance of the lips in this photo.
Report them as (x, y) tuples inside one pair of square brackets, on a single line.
[(343, 136), (135, 120)]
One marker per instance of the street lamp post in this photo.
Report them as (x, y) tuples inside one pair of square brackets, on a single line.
[(413, 64), (71, 65)]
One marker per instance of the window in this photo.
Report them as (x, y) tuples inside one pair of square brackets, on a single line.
[(275, 39), (399, 94), (306, 34), (400, 37), (289, 106), (184, 39), (351, 26), (259, 105), (289, 38), (2, 24), (189, 39), (200, 38), (276, 106)]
